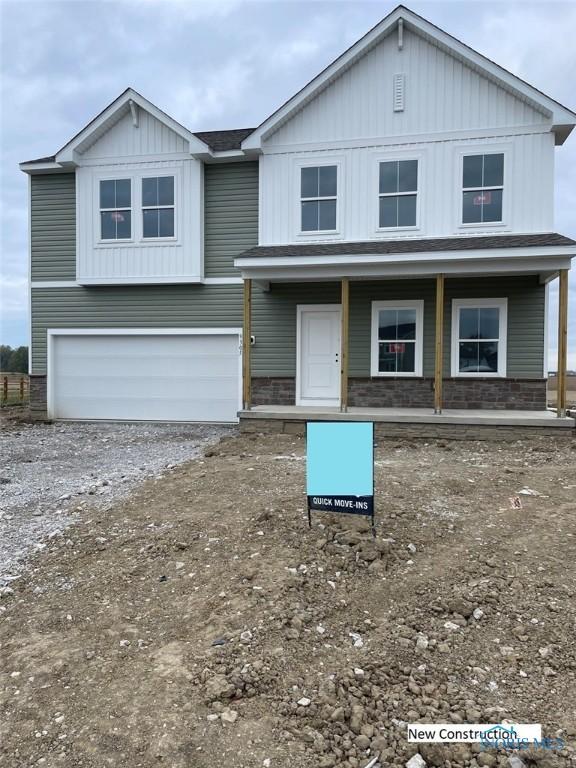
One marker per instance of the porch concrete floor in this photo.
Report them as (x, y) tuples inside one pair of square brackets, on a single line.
[(411, 415)]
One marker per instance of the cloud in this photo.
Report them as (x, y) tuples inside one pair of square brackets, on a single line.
[(226, 64)]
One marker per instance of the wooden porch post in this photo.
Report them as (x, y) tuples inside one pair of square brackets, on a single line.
[(344, 334), (439, 349), (562, 343), (246, 349)]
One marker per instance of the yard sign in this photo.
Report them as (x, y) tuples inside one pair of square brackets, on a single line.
[(340, 467)]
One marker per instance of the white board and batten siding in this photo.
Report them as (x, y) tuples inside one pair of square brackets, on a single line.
[(528, 189), (144, 375), (439, 110), (441, 94), (129, 151)]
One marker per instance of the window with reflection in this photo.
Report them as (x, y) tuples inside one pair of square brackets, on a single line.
[(482, 188), (115, 209), (397, 339)]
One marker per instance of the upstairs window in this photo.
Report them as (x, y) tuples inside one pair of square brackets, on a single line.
[(158, 207), (115, 209), (398, 189), (479, 337), (482, 188), (318, 198)]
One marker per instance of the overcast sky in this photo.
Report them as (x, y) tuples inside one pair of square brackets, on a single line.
[(228, 64)]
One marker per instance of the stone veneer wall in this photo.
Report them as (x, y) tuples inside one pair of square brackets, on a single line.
[(383, 430), (516, 394), (273, 391), (38, 400)]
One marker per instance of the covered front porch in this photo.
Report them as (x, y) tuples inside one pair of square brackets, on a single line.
[(433, 383)]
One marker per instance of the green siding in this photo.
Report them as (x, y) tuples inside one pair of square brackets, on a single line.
[(231, 225), (230, 220), (153, 306), (274, 323), (230, 215), (274, 317), (53, 226), (526, 311)]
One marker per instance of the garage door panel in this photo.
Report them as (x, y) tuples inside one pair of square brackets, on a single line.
[(133, 408), (146, 377)]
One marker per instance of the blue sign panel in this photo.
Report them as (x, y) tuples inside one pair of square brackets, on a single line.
[(340, 467)]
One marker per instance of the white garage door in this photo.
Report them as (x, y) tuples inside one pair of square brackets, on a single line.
[(150, 377)]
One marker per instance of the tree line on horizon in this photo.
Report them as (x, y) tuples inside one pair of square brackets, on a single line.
[(13, 360)]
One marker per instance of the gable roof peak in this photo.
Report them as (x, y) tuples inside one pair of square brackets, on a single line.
[(130, 100), (562, 118)]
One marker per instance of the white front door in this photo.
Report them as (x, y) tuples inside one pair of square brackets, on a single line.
[(318, 374)]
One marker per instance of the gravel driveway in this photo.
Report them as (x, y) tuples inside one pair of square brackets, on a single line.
[(49, 472)]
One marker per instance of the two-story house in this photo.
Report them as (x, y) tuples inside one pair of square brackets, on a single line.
[(384, 240)]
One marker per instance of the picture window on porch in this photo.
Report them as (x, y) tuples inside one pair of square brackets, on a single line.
[(397, 338), (318, 198), (115, 209), (483, 188), (479, 337), (398, 188)]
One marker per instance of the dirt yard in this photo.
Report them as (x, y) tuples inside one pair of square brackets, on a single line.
[(200, 623)]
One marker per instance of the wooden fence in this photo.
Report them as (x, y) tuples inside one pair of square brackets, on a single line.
[(14, 388)]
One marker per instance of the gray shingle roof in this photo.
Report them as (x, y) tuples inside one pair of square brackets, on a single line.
[(221, 141), (49, 159), (409, 246), (218, 141)]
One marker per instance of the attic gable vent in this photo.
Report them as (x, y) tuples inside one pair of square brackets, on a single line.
[(398, 92)]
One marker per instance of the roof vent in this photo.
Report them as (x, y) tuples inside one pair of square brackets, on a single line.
[(398, 94)]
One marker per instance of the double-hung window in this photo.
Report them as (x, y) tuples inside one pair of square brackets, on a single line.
[(158, 207), (397, 338), (318, 198), (398, 190), (482, 188), (115, 209), (479, 337)]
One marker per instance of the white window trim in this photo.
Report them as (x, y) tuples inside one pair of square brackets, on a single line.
[(398, 159), (418, 305), (502, 305), (137, 238), (381, 156), (120, 240), (317, 162), (486, 149)]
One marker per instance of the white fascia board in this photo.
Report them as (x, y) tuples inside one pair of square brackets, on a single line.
[(484, 254), (37, 168), (560, 114), (476, 268), (67, 153), (562, 118)]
